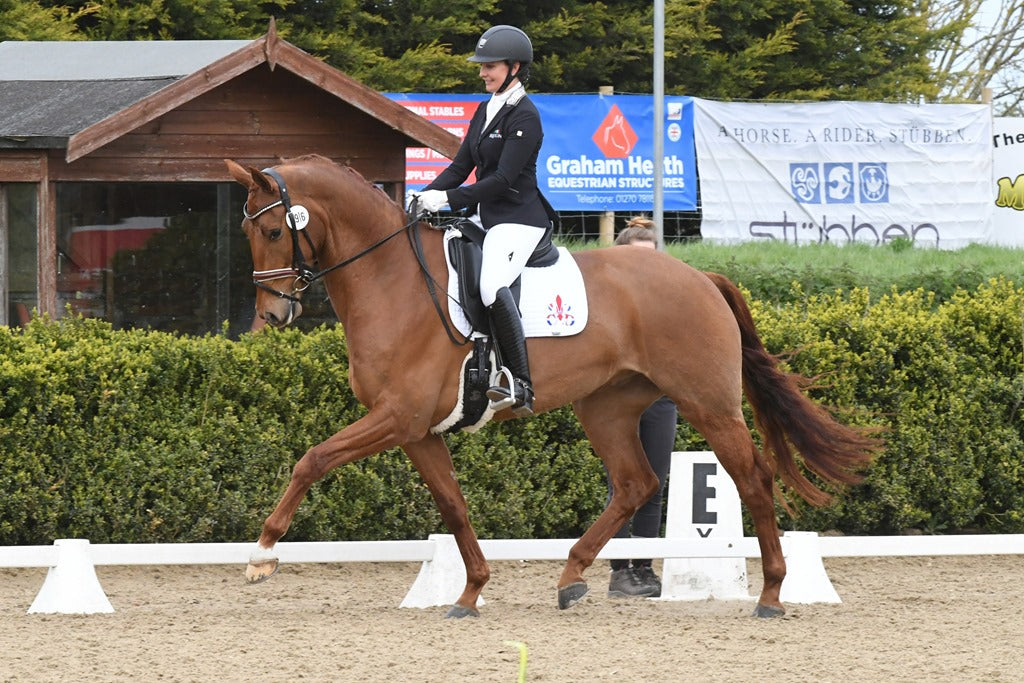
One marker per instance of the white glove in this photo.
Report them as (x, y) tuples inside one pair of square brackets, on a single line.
[(432, 200)]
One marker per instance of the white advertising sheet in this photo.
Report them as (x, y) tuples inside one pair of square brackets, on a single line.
[(840, 172), (1008, 179)]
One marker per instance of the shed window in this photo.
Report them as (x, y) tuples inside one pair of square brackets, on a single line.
[(18, 219), (165, 256)]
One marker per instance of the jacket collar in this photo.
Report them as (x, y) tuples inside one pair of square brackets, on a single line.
[(511, 98)]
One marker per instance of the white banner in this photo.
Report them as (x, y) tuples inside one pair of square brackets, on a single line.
[(845, 171), (1008, 176)]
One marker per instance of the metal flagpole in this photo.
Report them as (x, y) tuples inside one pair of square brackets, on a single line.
[(659, 121)]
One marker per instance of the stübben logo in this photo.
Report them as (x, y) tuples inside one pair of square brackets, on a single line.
[(839, 183)]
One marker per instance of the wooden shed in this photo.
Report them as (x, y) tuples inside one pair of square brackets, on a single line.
[(112, 180)]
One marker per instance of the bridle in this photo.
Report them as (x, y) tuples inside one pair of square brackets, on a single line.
[(303, 273)]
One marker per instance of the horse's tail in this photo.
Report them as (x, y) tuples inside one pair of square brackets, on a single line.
[(788, 420)]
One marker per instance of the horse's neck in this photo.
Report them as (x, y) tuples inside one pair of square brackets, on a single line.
[(389, 319), (385, 291)]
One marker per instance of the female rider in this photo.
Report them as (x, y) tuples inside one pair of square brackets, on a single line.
[(502, 143)]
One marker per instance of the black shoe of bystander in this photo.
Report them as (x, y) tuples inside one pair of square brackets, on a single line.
[(648, 579), (625, 583)]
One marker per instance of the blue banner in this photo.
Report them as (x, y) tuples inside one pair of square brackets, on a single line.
[(598, 151)]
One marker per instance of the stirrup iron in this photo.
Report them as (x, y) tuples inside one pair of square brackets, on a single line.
[(498, 400)]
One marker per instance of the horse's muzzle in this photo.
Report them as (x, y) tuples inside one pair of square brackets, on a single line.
[(280, 318)]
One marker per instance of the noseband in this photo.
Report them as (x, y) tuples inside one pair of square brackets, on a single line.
[(303, 273)]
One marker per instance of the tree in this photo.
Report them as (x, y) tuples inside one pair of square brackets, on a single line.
[(984, 50), (30, 20), (800, 49), (401, 45), (173, 19), (876, 50), (422, 45)]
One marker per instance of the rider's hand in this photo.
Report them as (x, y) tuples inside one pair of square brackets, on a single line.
[(432, 200)]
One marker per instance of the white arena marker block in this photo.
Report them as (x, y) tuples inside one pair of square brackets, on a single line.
[(441, 579), (71, 586), (703, 503), (806, 581)]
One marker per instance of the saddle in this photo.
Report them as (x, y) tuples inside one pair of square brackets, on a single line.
[(466, 254), (550, 295)]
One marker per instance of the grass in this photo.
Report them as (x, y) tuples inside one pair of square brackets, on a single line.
[(897, 262), (769, 268)]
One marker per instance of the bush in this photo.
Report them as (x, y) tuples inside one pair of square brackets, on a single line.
[(141, 436), (945, 381)]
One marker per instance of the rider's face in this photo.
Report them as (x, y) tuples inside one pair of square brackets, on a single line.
[(493, 75)]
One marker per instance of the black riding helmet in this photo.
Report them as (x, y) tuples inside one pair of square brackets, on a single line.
[(505, 44)]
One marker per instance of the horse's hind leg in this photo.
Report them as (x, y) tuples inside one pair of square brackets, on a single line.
[(610, 418), (730, 439), (433, 461)]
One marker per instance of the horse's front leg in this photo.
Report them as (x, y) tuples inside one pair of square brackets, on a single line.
[(433, 461), (372, 433)]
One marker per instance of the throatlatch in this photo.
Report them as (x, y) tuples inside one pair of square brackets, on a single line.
[(507, 332)]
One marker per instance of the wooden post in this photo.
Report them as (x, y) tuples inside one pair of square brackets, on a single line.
[(5, 236), (606, 226), (47, 244)]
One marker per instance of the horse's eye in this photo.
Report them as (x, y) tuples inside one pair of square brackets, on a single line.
[(274, 235)]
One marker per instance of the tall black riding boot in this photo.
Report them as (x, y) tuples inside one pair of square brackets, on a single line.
[(507, 330)]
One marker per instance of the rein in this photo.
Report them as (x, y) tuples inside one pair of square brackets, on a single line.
[(417, 250)]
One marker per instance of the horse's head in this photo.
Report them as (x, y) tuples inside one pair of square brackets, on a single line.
[(283, 230), (308, 218)]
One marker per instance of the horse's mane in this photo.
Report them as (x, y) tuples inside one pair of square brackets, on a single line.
[(345, 171)]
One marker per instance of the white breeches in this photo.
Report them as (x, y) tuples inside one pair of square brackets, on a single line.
[(507, 247)]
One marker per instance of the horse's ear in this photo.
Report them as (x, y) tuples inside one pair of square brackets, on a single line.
[(248, 176)]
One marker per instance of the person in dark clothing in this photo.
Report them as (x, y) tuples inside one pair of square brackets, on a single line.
[(636, 578), (502, 144)]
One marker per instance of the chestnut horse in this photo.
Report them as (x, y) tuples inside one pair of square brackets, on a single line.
[(656, 327)]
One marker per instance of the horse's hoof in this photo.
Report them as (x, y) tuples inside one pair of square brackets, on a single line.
[(458, 612), (258, 572), (768, 611), (571, 594)]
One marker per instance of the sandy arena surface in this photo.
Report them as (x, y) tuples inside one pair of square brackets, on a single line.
[(902, 619)]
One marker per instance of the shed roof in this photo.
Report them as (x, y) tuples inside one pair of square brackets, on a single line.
[(52, 60), (83, 95), (50, 90), (44, 114)]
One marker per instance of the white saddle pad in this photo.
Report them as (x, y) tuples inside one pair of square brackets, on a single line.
[(552, 301)]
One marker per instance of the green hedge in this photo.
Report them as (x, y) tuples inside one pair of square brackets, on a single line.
[(139, 436), (946, 380)]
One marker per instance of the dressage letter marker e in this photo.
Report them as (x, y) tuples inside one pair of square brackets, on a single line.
[(703, 503), (702, 492)]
